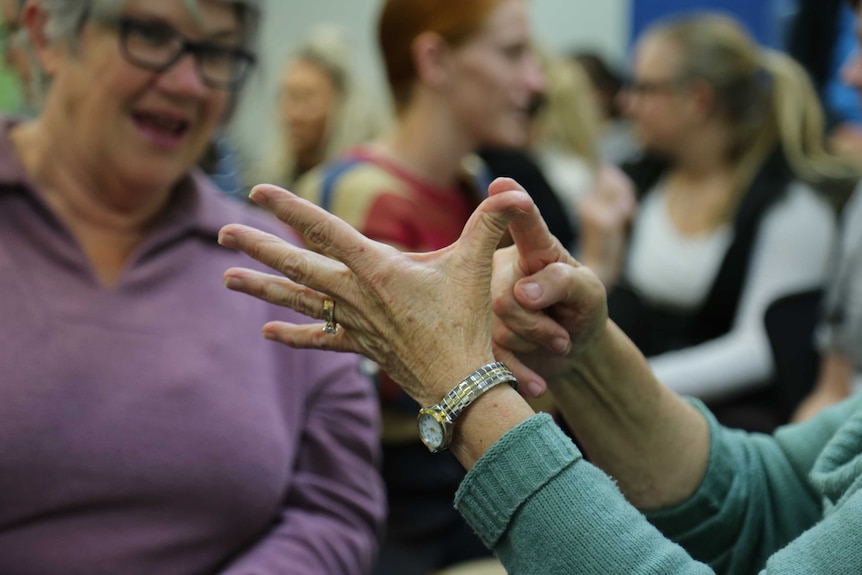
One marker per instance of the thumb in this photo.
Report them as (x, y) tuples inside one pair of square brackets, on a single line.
[(489, 222), (536, 245)]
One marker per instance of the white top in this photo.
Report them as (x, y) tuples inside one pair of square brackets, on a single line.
[(667, 267), (569, 176), (790, 254)]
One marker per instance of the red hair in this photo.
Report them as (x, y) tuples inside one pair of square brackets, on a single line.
[(401, 21)]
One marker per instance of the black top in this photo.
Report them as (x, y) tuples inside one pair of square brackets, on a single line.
[(518, 165)]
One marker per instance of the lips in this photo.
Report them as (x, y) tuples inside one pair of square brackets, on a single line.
[(161, 129)]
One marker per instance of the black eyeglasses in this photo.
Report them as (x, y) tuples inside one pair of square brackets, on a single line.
[(155, 46), (648, 87)]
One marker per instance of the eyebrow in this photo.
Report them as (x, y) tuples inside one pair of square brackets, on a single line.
[(234, 34), (206, 35)]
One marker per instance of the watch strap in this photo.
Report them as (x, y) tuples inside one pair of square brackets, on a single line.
[(473, 386)]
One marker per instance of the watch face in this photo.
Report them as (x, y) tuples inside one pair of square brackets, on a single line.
[(430, 431)]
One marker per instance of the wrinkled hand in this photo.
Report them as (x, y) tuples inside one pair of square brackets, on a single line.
[(548, 308), (425, 318)]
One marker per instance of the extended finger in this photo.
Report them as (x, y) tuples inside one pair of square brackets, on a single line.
[(300, 265), (492, 218), (276, 290), (537, 246), (310, 336), (324, 231)]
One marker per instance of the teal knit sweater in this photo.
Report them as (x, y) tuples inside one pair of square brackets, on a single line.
[(787, 504)]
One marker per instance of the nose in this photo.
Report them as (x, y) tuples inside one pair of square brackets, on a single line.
[(534, 79), (183, 79)]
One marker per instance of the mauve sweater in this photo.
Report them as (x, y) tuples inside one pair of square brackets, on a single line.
[(149, 429)]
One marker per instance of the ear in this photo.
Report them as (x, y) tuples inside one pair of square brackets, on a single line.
[(34, 19), (429, 51)]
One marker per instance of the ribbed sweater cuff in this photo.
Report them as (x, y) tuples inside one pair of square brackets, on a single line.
[(516, 466)]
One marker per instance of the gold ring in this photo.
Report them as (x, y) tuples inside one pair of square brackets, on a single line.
[(329, 317)]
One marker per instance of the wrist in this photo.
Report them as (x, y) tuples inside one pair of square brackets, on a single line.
[(437, 422), (485, 421)]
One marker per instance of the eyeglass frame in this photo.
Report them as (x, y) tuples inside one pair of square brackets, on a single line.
[(124, 25), (650, 87)]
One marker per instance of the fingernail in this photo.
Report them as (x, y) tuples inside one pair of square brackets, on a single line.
[(534, 389), (233, 283), (258, 196), (227, 240), (532, 290), (560, 345)]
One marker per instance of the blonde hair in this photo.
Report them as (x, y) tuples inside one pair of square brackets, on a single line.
[(355, 118), (569, 118), (764, 95)]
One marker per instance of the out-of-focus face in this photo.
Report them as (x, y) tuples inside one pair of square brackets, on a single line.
[(495, 76), (307, 99), (132, 124), (656, 99)]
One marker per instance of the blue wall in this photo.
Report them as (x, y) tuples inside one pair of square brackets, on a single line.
[(765, 19)]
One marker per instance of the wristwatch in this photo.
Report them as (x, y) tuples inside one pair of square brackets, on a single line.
[(435, 422)]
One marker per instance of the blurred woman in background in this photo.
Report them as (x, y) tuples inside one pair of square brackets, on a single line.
[(719, 234), (322, 109)]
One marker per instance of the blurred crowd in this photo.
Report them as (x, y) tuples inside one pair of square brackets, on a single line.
[(707, 181)]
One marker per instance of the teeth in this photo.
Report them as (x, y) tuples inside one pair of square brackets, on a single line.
[(165, 123)]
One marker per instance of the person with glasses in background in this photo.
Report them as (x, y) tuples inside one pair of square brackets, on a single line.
[(736, 167), (145, 427)]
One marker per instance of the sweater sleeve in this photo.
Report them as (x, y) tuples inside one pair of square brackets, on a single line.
[(784, 261), (544, 510), (332, 515), (756, 497)]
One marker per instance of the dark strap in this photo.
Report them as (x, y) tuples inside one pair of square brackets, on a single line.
[(517, 164), (330, 178), (719, 310)]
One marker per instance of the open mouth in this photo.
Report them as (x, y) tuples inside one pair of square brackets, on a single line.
[(162, 129)]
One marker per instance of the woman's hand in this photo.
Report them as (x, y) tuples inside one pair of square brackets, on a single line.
[(547, 306), (604, 217), (425, 318)]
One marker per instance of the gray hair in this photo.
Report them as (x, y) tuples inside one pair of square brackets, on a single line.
[(65, 18)]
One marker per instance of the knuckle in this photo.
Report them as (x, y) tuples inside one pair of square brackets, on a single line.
[(319, 233), (293, 266)]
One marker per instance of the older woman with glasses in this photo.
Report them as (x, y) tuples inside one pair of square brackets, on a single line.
[(145, 427)]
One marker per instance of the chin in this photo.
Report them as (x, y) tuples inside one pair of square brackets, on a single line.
[(155, 175), (510, 139)]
